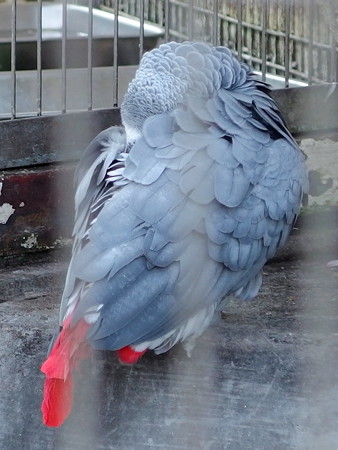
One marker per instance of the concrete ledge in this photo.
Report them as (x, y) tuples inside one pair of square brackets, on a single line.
[(307, 110), (50, 139)]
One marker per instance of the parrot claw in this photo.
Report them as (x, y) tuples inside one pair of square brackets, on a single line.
[(128, 356)]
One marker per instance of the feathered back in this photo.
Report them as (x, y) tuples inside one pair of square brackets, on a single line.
[(174, 214), (210, 189)]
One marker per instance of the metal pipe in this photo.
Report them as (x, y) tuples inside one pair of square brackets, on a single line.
[(239, 29), (63, 58), (13, 60), (333, 42), (38, 59), (310, 48), (215, 22), (90, 55), (333, 65), (115, 50), (166, 20), (265, 6), (191, 30), (287, 41), (141, 28)]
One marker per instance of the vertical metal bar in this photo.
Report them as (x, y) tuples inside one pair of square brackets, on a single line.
[(239, 28), (115, 62), (191, 30), (310, 49), (13, 60), (287, 41), (90, 55), (166, 20), (215, 33), (38, 59), (63, 58), (333, 56), (141, 28), (263, 38)]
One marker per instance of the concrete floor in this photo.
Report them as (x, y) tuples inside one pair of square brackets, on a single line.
[(265, 376)]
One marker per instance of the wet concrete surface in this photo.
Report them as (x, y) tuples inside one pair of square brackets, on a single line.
[(264, 376)]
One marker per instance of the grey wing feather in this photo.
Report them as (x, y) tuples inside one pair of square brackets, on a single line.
[(91, 171), (264, 206), (90, 184)]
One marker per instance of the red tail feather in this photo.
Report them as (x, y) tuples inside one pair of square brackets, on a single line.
[(57, 401), (68, 349)]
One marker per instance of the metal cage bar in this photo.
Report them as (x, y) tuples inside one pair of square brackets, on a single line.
[(239, 29), (333, 65), (166, 19), (264, 20), (215, 24), (63, 57), (115, 62), (287, 42), (191, 23), (141, 44), (311, 31), (13, 59), (333, 42), (90, 55), (39, 59)]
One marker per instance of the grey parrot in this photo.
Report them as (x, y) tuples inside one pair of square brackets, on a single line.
[(176, 210)]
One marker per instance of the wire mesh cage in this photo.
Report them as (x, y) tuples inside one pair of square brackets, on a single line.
[(290, 38), (66, 55)]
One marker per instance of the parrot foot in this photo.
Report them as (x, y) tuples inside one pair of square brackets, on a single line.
[(128, 355)]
